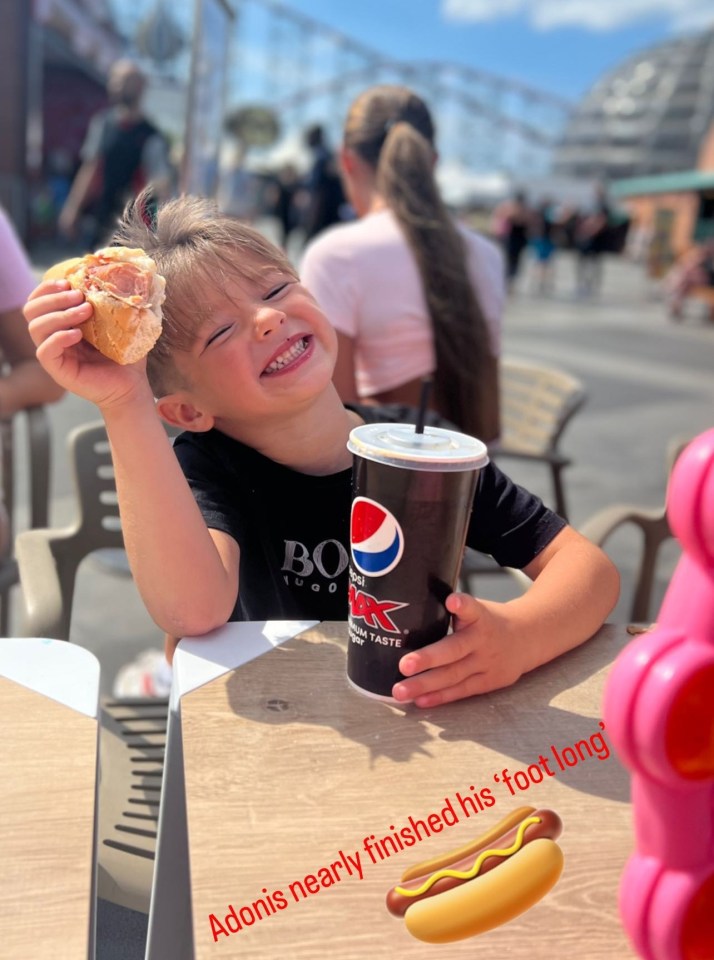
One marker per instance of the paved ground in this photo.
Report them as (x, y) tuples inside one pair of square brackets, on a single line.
[(648, 380)]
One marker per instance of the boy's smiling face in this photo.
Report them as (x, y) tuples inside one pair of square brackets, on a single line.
[(265, 348)]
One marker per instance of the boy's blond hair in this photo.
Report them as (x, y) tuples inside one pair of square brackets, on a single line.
[(196, 248)]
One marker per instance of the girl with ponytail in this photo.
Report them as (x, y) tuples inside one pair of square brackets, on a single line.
[(411, 292)]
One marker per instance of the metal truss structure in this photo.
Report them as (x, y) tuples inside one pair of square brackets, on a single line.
[(307, 72)]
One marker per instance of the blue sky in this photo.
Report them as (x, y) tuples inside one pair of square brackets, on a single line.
[(561, 46)]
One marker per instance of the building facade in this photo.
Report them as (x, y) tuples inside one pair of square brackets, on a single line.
[(648, 116)]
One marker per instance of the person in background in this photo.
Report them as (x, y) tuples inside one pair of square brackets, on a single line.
[(24, 383), (282, 202), (693, 269), (592, 242), (325, 196), (569, 222), (512, 222), (411, 292), (542, 242), (121, 154)]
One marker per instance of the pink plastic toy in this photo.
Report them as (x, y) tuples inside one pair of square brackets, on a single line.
[(659, 711)]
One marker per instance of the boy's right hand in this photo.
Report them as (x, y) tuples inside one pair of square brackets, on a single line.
[(54, 312)]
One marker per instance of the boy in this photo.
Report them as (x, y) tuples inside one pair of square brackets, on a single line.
[(257, 488)]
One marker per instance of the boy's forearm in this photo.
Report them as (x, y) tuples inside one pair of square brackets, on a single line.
[(176, 565), (566, 604)]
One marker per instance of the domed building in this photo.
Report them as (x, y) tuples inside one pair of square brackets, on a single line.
[(648, 116)]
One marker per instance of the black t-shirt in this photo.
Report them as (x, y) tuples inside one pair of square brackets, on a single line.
[(293, 528)]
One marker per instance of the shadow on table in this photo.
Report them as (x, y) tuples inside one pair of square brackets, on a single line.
[(294, 682), (554, 708)]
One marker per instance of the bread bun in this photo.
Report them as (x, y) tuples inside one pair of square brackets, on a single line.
[(126, 292)]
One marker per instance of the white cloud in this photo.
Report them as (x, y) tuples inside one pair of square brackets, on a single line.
[(591, 14), (481, 9)]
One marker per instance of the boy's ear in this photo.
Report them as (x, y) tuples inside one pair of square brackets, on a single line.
[(179, 411)]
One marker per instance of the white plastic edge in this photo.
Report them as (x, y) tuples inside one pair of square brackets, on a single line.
[(56, 669), (198, 660)]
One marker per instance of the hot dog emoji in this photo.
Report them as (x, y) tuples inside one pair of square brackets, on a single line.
[(484, 884)]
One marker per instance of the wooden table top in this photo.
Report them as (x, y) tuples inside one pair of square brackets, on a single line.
[(48, 758), (288, 770)]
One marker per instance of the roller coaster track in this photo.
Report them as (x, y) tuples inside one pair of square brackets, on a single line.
[(533, 116)]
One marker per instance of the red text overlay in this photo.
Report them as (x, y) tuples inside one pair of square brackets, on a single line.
[(354, 862)]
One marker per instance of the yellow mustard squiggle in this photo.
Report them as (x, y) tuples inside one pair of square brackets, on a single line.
[(468, 875)]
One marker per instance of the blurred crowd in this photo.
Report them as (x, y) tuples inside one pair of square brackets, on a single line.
[(304, 202), (543, 228), (80, 198)]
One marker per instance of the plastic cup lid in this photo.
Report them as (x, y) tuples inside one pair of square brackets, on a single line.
[(399, 445)]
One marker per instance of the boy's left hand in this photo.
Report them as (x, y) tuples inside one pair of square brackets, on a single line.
[(475, 658)]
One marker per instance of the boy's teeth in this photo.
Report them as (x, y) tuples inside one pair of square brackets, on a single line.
[(295, 350)]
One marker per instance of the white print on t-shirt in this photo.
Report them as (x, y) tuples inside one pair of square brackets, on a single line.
[(301, 564)]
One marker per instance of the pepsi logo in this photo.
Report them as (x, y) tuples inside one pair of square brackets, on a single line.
[(376, 539)]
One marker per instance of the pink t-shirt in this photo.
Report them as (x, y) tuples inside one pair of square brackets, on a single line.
[(16, 277), (365, 278)]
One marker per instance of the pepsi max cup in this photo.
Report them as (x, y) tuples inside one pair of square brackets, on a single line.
[(411, 502)]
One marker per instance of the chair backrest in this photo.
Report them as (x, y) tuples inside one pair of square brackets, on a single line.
[(38, 464), (48, 559), (653, 524), (37, 428), (536, 404), (97, 525)]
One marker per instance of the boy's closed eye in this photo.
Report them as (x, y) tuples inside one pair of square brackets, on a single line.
[(277, 290), (218, 334)]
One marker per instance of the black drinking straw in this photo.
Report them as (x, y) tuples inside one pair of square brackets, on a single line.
[(426, 385)]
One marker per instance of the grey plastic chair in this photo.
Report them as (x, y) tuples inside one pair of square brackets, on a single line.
[(37, 428), (132, 732), (537, 403), (654, 529)]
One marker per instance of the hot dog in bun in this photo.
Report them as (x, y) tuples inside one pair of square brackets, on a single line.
[(484, 884), (126, 292)]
